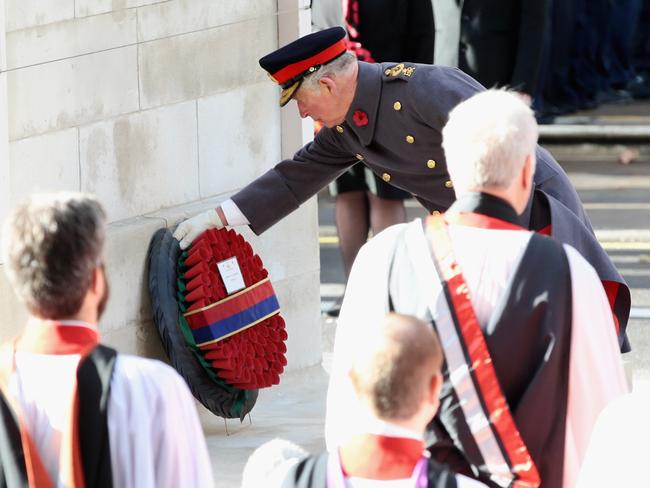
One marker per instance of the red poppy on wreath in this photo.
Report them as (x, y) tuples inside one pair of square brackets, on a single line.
[(360, 118)]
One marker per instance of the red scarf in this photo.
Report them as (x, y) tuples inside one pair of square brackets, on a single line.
[(380, 457)]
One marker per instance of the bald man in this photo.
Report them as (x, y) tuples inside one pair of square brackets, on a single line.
[(396, 378)]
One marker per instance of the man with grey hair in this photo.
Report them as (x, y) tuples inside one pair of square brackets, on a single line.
[(73, 411), (390, 117), (531, 355)]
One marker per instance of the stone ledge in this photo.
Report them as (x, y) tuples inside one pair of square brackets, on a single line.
[(623, 235), (594, 133), (597, 152)]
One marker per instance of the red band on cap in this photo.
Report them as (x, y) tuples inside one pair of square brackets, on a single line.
[(291, 71)]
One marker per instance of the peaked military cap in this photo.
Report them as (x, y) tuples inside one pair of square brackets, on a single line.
[(289, 65)]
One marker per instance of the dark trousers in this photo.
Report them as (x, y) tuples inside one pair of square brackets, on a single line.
[(624, 16), (641, 40), (555, 88), (588, 48)]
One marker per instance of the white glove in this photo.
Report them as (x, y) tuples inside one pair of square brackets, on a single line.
[(190, 229)]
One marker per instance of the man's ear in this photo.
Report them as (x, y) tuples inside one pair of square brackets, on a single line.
[(328, 84), (528, 171), (433, 399), (98, 281), (436, 385)]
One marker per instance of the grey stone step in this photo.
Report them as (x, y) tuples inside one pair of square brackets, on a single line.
[(595, 133)]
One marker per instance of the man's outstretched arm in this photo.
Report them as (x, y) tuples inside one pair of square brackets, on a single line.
[(276, 193)]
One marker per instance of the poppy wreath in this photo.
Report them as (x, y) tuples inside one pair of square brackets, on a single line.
[(240, 337)]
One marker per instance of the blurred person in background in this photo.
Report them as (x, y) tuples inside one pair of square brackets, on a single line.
[(326, 14), (594, 55), (497, 42), (378, 31), (618, 64), (556, 95), (640, 86)]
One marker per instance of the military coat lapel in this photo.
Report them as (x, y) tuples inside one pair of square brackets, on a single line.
[(362, 116)]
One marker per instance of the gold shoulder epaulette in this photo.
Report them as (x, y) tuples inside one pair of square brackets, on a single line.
[(399, 70)]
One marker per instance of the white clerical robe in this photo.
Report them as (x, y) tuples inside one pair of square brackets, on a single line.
[(155, 436)]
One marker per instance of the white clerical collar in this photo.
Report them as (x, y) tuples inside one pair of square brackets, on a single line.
[(373, 425)]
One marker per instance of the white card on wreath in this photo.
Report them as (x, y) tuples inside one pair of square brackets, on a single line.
[(231, 275)]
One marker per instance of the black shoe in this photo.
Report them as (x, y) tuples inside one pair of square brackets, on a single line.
[(544, 118), (335, 310), (639, 87), (549, 112), (587, 104), (613, 96)]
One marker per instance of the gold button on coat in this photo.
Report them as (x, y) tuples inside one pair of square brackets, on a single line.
[(431, 164), (359, 157), (410, 139), (385, 177), (397, 105), (387, 71), (449, 184), (339, 129)]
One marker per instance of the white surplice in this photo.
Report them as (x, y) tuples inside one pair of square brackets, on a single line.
[(155, 436)]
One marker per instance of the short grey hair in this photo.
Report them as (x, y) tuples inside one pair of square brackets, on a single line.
[(52, 243), (487, 139), (337, 66)]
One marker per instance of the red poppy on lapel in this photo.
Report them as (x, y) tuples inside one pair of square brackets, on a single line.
[(360, 118)]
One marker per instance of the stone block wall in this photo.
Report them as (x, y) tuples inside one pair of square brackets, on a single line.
[(159, 108)]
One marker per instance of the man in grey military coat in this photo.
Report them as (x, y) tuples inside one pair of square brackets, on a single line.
[(390, 116)]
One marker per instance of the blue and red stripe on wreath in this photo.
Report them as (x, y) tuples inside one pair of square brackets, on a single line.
[(239, 337)]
